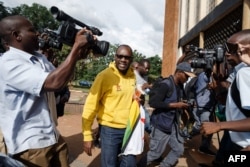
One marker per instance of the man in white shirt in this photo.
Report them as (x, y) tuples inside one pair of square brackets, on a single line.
[(26, 77)]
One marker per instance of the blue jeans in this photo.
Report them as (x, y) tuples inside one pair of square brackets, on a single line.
[(111, 142), (9, 162)]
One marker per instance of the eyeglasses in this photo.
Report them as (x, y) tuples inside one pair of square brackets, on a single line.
[(124, 56), (231, 48)]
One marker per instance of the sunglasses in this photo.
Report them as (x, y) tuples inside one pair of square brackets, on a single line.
[(126, 57), (231, 48)]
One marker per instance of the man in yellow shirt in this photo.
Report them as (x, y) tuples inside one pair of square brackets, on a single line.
[(109, 101)]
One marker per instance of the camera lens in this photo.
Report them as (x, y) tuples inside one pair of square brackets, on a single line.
[(198, 63)]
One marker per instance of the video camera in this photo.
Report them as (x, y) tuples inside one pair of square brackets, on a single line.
[(47, 39), (206, 58), (66, 32)]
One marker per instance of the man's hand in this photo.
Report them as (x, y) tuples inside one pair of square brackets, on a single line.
[(64, 99), (146, 85), (179, 105), (87, 147), (208, 128), (246, 149), (81, 39)]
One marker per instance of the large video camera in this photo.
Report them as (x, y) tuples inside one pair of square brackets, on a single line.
[(47, 39), (206, 58), (67, 32)]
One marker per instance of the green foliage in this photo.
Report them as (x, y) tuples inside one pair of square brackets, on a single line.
[(4, 11), (156, 63), (37, 14), (155, 67), (94, 65), (138, 56)]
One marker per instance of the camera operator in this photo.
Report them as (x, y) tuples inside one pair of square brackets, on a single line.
[(26, 77), (238, 123)]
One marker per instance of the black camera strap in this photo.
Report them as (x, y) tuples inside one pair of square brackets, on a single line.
[(235, 94)]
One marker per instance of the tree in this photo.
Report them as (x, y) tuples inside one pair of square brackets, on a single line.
[(4, 11), (155, 70), (38, 15), (138, 56)]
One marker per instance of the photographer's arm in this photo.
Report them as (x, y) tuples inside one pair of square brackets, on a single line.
[(157, 101), (58, 78), (178, 105), (238, 126)]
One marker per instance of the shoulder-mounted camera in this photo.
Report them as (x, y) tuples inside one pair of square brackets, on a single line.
[(67, 31)]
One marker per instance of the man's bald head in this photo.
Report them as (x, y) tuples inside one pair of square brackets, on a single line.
[(19, 32), (10, 24), (241, 37)]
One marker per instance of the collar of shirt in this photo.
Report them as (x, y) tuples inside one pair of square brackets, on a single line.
[(239, 66)]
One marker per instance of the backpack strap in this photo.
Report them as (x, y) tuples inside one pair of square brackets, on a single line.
[(235, 94), (202, 90), (169, 84)]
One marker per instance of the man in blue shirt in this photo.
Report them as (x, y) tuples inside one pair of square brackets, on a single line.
[(205, 101), (26, 76)]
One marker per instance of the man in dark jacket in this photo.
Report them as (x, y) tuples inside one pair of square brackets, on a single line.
[(166, 107)]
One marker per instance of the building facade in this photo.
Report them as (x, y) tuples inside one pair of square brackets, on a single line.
[(202, 23)]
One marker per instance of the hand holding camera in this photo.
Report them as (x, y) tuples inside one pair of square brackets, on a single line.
[(190, 103), (82, 38), (67, 32), (180, 105), (83, 41)]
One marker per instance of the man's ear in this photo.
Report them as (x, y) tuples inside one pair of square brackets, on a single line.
[(16, 35)]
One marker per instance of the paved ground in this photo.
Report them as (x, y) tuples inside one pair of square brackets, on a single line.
[(70, 128)]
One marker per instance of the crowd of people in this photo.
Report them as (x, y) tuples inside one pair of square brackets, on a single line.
[(33, 95)]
